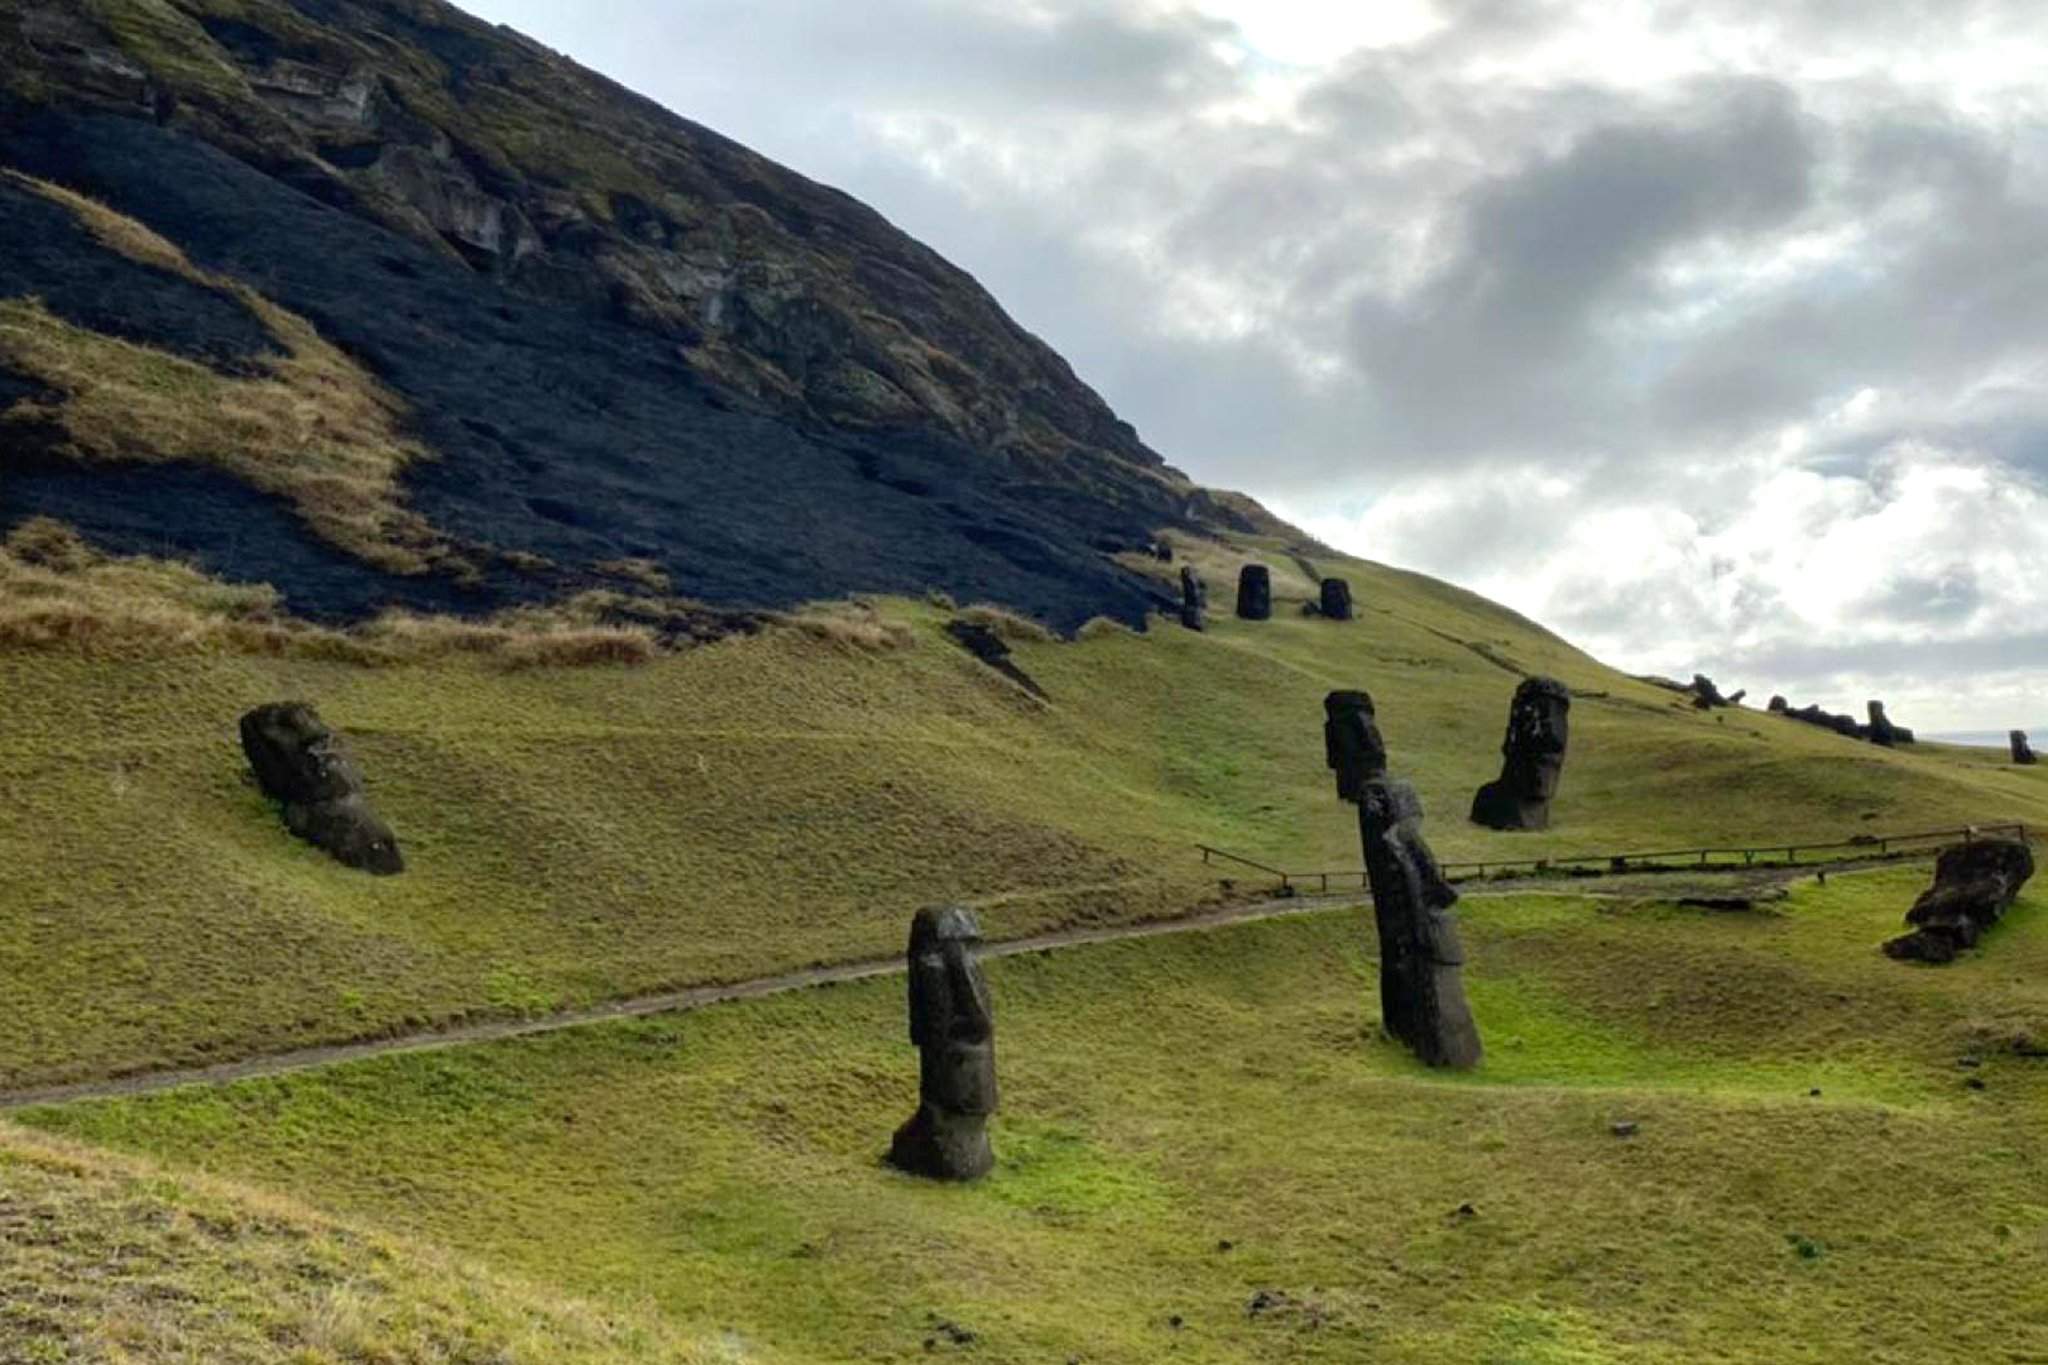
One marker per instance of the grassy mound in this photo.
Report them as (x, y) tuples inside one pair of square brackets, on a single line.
[(765, 803), (113, 1259), (1208, 1155)]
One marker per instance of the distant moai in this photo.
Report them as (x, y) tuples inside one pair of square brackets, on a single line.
[(1255, 593), (1422, 990), (1881, 731), (301, 764), (1194, 597), (2022, 752), (1539, 725), (952, 1022), (1336, 603)]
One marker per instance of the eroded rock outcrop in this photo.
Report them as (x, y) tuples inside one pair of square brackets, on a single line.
[(952, 1024), (2022, 752), (1974, 884), (1255, 593), (301, 764), (1336, 600), (1533, 753)]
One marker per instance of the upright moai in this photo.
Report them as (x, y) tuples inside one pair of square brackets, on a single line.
[(1539, 724), (1194, 597), (1255, 593), (1422, 991), (2022, 752), (952, 1022), (1881, 731), (300, 764), (1336, 603)]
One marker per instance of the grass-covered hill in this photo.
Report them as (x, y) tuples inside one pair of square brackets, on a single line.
[(400, 307)]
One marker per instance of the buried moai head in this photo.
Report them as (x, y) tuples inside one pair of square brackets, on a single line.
[(2022, 752), (1255, 593), (1422, 991), (1194, 597), (1539, 725), (300, 763), (952, 1022), (1336, 599), (1352, 746)]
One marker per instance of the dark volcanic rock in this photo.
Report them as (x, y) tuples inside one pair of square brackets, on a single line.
[(1974, 883), (1779, 705), (952, 1023), (1255, 593), (1194, 597), (1533, 754), (1422, 992), (2022, 752), (1881, 730), (1352, 746), (300, 763), (984, 644), (1705, 695), (1336, 600)]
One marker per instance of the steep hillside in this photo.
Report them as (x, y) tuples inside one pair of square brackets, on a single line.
[(596, 333)]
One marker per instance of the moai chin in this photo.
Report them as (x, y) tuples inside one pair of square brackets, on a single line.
[(1336, 599), (1194, 597), (1351, 743), (300, 764), (952, 1022), (1255, 593), (2022, 752), (1539, 723), (1422, 985)]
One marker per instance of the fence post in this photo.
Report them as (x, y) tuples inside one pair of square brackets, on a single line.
[(1326, 883)]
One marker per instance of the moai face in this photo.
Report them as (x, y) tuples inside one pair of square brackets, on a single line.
[(1393, 812), (1538, 728), (1352, 745), (952, 1020)]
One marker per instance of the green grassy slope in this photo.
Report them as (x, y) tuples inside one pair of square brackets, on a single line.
[(758, 804), (1194, 1120)]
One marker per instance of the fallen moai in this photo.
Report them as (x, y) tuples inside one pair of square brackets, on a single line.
[(1255, 593), (300, 763), (2022, 752), (952, 1022), (1194, 597), (1539, 724), (1881, 730), (1336, 599), (1422, 991), (1974, 883)]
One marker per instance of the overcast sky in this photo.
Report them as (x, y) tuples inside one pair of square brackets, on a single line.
[(1712, 334)]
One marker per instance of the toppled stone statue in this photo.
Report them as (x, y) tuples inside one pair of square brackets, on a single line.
[(1422, 988), (1351, 743), (1538, 728), (1974, 883), (300, 763), (1255, 593), (1194, 597), (1422, 991), (2022, 752), (952, 1022), (1705, 695), (1336, 603)]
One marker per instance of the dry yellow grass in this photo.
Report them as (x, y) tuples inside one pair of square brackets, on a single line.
[(312, 427), (855, 624), (1007, 624)]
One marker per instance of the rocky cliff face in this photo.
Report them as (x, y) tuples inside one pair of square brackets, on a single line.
[(480, 204)]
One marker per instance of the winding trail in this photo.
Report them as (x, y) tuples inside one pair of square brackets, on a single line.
[(1665, 886)]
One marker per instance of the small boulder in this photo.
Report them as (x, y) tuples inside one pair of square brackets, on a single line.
[(1974, 883), (301, 764)]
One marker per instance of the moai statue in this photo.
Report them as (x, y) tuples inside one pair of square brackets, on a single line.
[(299, 763), (1351, 743), (1882, 731), (953, 1025), (1779, 706), (1538, 726), (1194, 597), (1255, 593), (1336, 601), (1422, 986), (2022, 753)]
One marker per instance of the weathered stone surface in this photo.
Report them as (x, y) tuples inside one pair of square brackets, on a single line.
[(1974, 883), (1881, 730), (1422, 991), (1538, 729), (2022, 752), (1705, 695), (1194, 597), (300, 763), (1780, 706), (952, 1023), (1336, 600), (1255, 593), (1351, 743)]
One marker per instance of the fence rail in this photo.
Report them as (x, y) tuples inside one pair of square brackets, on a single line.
[(1854, 849)]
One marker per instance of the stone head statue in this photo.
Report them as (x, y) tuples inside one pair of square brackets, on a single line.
[(1538, 727), (952, 1022), (1422, 991), (301, 764), (1393, 814), (1351, 742)]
